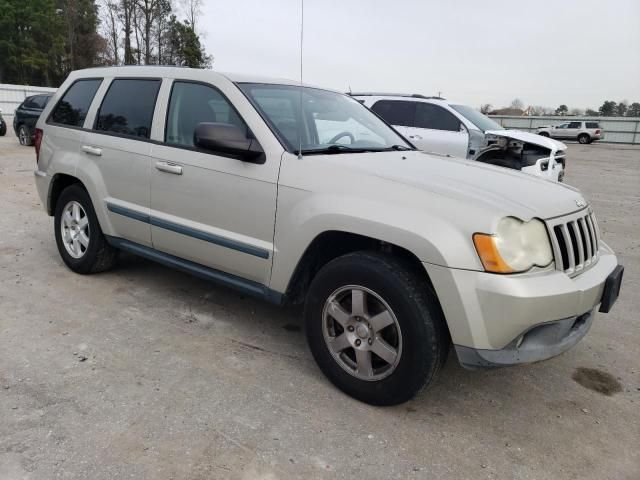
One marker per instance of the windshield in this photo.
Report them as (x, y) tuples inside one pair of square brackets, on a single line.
[(480, 120), (328, 122)]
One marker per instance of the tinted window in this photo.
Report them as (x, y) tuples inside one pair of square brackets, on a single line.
[(127, 108), (593, 125), (436, 118), (575, 124), (39, 102), (193, 103), (30, 102), (74, 105), (396, 112)]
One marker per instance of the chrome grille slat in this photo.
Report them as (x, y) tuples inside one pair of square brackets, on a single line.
[(575, 241), (578, 233), (587, 240), (594, 235), (569, 246)]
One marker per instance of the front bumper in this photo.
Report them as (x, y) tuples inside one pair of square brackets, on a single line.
[(499, 320)]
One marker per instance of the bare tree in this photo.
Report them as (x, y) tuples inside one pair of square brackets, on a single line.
[(111, 24), (485, 108), (127, 15), (517, 103), (192, 10)]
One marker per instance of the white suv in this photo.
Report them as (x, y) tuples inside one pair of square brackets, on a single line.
[(302, 195), (435, 125), (582, 131)]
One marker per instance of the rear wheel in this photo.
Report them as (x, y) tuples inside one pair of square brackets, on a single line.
[(374, 328), (3, 130), (81, 243), (583, 138), (24, 137)]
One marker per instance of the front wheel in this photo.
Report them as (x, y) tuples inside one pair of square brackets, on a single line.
[(544, 134), (24, 137), (375, 328), (3, 130)]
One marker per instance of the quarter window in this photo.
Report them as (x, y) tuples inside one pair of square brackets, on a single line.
[(396, 112), (593, 125), (435, 118), (127, 108), (194, 103), (74, 105)]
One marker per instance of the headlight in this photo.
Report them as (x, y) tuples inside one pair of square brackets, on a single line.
[(515, 247)]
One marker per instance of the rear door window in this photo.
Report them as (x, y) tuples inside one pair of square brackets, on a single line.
[(73, 106), (435, 118), (396, 112), (127, 108), (575, 125)]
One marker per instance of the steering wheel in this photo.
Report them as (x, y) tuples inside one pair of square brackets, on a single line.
[(343, 134)]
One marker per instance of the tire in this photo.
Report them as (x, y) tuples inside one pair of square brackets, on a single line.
[(97, 255), (3, 130), (24, 137), (421, 345), (584, 139), (544, 134)]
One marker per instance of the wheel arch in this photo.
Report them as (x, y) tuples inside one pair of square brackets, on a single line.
[(59, 182), (331, 244)]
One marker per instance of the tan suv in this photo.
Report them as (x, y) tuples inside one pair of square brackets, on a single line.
[(303, 195), (582, 131)]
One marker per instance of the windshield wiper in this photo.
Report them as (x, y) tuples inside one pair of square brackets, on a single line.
[(333, 149), (339, 148)]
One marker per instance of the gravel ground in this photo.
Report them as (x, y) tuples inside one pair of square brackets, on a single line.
[(148, 373)]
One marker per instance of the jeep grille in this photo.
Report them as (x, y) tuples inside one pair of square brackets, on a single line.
[(575, 240)]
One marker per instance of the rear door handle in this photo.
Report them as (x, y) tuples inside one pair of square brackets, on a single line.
[(169, 168), (92, 150)]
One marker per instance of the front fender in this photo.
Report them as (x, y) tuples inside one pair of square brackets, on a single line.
[(302, 216)]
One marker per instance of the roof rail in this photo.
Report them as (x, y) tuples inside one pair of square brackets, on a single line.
[(383, 94)]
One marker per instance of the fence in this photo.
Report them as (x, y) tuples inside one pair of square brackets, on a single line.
[(11, 96), (616, 129)]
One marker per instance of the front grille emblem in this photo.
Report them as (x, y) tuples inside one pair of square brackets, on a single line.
[(580, 203)]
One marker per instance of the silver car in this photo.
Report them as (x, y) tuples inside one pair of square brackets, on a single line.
[(302, 195)]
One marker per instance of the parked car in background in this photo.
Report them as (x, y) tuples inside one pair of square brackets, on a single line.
[(26, 116), (302, 195), (583, 131), (3, 125), (436, 125)]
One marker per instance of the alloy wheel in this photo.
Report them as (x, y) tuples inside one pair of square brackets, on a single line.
[(74, 227), (362, 333)]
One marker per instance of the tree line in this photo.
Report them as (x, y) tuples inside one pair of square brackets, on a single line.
[(608, 109), (41, 41)]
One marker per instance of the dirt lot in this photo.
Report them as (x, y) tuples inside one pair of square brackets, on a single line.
[(148, 373)]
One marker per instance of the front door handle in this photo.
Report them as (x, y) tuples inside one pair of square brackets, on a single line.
[(417, 137), (169, 168), (92, 150)]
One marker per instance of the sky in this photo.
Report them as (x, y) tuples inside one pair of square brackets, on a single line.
[(544, 52)]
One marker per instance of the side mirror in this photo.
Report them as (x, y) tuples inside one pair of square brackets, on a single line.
[(226, 138)]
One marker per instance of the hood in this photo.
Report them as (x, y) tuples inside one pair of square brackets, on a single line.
[(499, 190), (532, 138)]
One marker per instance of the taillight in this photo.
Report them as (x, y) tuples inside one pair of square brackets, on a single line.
[(598, 132), (37, 142)]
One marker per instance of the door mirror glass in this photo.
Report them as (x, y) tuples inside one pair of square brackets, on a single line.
[(228, 138)]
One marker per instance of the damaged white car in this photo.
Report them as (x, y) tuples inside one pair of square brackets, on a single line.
[(436, 125)]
